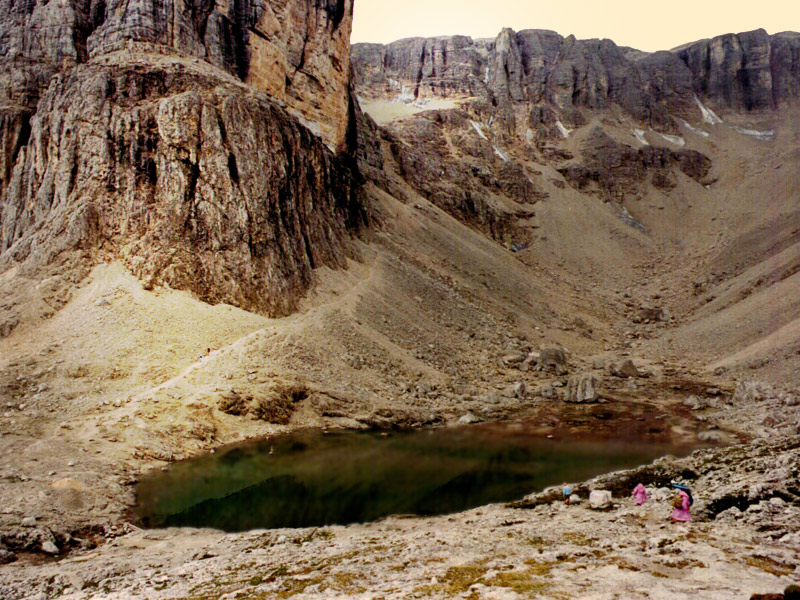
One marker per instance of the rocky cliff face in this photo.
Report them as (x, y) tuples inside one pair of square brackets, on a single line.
[(747, 71), (297, 51), (192, 142), (732, 72), (533, 100), (450, 66)]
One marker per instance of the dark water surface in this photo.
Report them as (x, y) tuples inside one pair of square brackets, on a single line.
[(312, 478)]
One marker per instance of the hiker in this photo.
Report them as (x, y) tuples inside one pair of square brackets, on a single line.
[(566, 491), (639, 494), (681, 503)]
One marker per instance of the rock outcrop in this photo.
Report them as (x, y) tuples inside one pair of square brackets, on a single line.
[(439, 155), (195, 143), (157, 167), (296, 51), (617, 169)]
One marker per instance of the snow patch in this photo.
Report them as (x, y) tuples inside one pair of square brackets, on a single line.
[(479, 129), (628, 219), (405, 96), (673, 138), (766, 136), (708, 115), (564, 131), (639, 133), (529, 135), (699, 132), (499, 153), (486, 75)]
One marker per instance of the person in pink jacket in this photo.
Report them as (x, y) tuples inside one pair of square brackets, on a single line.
[(681, 513), (640, 494)]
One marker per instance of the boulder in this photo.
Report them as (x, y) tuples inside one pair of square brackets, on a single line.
[(49, 547), (600, 499), (530, 362), (599, 363), (582, 388), (755, 491), (712, 436), (729, 515), (751, 391), (695, 403), (513, 358), (625, 369), (520, 390), (468, 419), (553, 359), (6, 556), (574, 499)]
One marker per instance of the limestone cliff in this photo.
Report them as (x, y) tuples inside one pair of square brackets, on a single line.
[(732, 72), (297, 50), (195, 142), (745, 71)]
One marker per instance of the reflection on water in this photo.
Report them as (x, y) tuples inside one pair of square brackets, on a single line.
[(312, 478)]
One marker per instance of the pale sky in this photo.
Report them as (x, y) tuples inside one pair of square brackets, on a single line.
[(642, 24)]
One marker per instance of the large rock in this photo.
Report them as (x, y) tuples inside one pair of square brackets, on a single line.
[(600, 499), (582, 388), (49, 547), (6, 556), (552, 359), (625, 368), (468, 419)]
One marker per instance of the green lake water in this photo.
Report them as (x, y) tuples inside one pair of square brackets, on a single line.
[(314, 478)]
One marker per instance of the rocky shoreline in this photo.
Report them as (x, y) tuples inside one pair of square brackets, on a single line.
[(745, 540)]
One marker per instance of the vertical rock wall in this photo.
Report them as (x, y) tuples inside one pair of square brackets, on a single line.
[(297, 51), (746, 71), (193, 140)]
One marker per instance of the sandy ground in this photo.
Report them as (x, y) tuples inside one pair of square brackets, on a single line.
[(386, 111)]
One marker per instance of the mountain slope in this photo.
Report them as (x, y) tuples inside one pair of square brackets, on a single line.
[(690, 156)]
